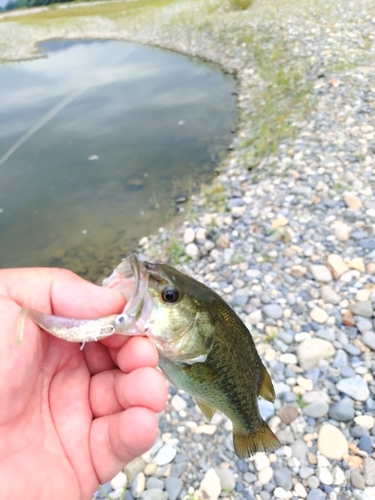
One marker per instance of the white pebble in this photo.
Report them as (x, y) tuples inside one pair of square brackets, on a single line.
[(119, 481)]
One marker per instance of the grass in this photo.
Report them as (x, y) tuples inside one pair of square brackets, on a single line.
[(240, 4), (113, 9)]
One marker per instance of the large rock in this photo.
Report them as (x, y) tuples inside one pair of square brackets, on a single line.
[(331, 442), (355, 387), (311, 351)]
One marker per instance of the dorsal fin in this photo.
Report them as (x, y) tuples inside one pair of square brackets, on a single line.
[(266, 387)]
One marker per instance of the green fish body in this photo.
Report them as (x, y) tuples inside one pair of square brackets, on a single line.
[(224, 371)]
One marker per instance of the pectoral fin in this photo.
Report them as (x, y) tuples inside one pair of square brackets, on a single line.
[(266, 388), (207, 410), (247, 444), (200, 373)]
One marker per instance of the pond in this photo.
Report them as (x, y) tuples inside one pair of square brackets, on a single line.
[(98, 139)]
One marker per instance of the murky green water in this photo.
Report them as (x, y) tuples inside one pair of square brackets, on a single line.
[(96, 140)]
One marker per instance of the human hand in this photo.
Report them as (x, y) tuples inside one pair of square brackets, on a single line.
[(70, 419)]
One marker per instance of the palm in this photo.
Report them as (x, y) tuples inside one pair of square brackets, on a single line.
[(65, 414)]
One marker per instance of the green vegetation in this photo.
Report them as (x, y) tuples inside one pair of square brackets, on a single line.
[(112, 9), (240, 4)]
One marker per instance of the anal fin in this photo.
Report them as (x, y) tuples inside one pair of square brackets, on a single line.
[(247, 444), (266, 388), (207, 410)]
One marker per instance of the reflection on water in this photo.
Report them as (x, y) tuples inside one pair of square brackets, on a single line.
[(96, 138)]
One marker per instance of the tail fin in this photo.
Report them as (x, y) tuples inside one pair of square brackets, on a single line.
[(246, 444)]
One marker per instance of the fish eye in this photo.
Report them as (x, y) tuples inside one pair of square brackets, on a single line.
[(170, 295)]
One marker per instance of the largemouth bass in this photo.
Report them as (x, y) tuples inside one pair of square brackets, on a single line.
[(204, 347)]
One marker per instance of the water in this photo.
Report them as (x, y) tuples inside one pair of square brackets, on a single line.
[(96, 140)]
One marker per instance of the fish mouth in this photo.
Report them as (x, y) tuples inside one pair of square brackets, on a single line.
[(131, 279)]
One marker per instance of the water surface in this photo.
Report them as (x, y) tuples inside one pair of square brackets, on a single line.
[(96, 140)]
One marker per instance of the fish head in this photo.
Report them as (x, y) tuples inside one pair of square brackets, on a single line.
[(180, 323)]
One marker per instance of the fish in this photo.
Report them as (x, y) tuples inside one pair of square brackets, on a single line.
[(204, 347), (206, 350)]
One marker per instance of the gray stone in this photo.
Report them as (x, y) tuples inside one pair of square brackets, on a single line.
[(154, 482), (311, 351), (364, 325), (366, 444), (178, 469), (316, 410), (342, 411), (306, 472), (351, 349), (267, 409), (165, 455), (355, 387), (358, 431), (368, 339), (313, 482), (285, 436), (357, 479), (347, 372), (273, 311), (173, 486), (283, 478), (321, 273), (325, 334), (340, 359), (369, 471), (299, 450), (363, 308), (316, 494), (154, 494)]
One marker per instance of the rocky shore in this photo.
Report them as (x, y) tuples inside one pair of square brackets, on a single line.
[(286, 234)]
